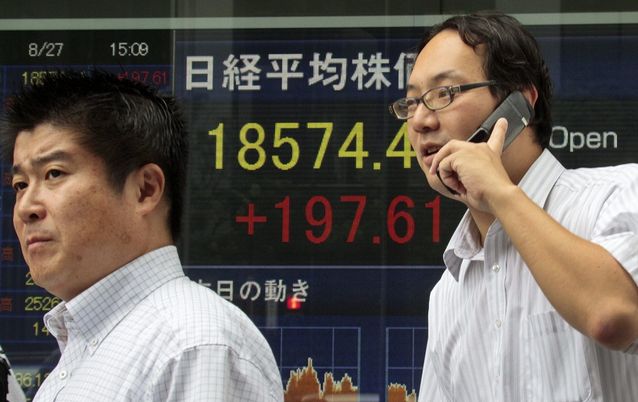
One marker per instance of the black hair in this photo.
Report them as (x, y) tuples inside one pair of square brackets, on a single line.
[(125, 123), (512, 57)]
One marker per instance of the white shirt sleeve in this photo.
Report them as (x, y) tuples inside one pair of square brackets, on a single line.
[(213, 373), (617, 226)]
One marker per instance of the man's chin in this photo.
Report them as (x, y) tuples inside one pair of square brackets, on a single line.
[(435, 184), (42, 274)]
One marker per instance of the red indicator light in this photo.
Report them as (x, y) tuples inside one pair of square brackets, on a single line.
[(292, 303)]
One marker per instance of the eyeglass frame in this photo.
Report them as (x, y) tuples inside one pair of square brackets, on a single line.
[(451, 89)]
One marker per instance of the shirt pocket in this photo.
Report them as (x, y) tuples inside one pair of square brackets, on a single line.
[(556, 360)]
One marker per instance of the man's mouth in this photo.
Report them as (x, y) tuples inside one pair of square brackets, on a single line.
[(34, 241), (428, 152)]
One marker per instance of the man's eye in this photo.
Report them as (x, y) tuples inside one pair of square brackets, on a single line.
[(412, 101), (441, 93), (19, 186), (54, 173)]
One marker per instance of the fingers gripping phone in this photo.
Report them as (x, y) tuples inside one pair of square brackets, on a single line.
[(518, 113)]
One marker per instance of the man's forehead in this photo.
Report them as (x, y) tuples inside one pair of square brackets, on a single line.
[(38, 160), (444, 59), (43, 144)]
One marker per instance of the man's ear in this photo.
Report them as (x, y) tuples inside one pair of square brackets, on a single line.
[(531, 94), (149, 182)]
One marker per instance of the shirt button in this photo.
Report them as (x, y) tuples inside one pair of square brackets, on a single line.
[(63, 374), (93, 342), (496, 267), (498, 323)]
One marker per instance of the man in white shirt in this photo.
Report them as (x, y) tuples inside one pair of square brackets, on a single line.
[(539, 299), (10, 390), (99, 173)]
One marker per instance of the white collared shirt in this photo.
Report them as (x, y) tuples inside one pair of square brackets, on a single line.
[(15, 393), (148, 333), (494, 336)]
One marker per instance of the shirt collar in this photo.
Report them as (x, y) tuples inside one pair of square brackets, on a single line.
[(537, 183), (97, 310)]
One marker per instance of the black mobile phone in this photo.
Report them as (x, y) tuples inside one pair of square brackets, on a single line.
[(518, 113)]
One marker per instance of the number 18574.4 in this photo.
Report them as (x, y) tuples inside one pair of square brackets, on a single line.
[(286, 150)]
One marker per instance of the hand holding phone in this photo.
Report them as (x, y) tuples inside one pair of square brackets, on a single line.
[(518, 113)]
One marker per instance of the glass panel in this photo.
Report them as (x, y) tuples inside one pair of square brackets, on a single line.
[(304, 206)]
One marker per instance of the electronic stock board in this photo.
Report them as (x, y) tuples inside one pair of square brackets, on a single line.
[(305, 205)]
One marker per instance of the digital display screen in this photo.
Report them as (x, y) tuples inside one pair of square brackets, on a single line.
[(305, 205)]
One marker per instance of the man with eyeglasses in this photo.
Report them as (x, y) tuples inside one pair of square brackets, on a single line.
[(538, 301)]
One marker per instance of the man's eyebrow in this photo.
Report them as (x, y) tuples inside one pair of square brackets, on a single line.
[(447, 74), (436, 80), (411, 87), (39, 161)]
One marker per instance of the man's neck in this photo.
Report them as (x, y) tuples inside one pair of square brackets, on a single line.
[(483, 221)]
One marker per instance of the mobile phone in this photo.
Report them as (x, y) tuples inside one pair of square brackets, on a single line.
[(518, 113)]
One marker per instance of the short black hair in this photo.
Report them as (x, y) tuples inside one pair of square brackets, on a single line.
[(125, 123), (512, 58)]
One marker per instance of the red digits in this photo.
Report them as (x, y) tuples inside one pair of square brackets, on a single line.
[(284, 205), (325, 220), (435, 204), (361, 204), (395, 216)]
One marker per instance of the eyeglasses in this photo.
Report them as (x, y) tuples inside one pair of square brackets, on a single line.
[(434, 99)]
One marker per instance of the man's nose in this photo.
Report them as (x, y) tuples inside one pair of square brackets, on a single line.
[(29, 205), (424, 119)]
